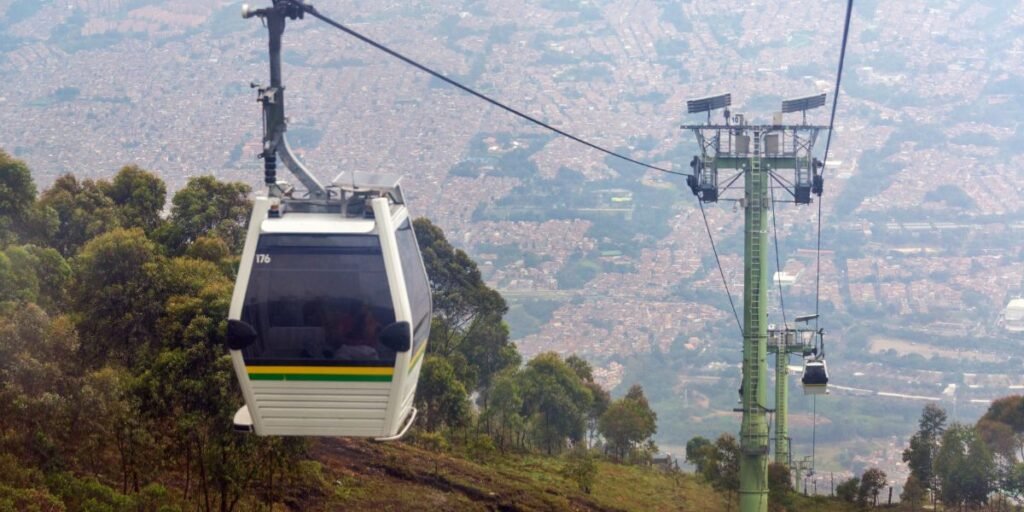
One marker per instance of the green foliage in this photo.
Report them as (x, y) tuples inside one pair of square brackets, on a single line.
[(582, 368), (148, 393), (920, 455), (871, 483), (480, 448), (964, 467), (37, 386), (22, 283), (53, 273), (914, 493), (847, 490), (209, 248), (556, 401), (487, 350), (210, 207), (112, 293), (140, 196), (17, 194), (459, 294), (433, 441), (581, 467), (503, 416), (628, 423), (721, 463), (28, 500), (83, 211), (87, 494), (698, 453), (779, 487), (440, 397)]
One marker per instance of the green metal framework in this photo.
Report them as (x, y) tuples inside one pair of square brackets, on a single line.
[(755, 153), (782, 343)]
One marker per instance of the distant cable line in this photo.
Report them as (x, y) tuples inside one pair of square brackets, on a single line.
[(778, 263), (824, 161), (839, 79), (725, 283), (316, 14)]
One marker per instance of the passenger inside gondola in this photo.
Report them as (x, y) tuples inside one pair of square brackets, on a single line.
[(351, 337)]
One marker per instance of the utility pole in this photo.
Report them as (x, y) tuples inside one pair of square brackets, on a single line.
[(754, 152)]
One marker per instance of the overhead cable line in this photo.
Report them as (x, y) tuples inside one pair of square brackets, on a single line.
[(725, 283), (316, 14), (778, 265), (824, 161)]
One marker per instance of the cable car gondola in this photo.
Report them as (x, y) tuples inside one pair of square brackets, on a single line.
[(815, 377), (330, 315), (331, 309)]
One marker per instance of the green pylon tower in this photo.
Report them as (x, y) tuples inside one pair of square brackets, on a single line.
[(754, 426), (782, 454), (755, 153), (782, 343)]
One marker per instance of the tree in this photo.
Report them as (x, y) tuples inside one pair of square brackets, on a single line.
[(847, 491), (113, 296), (723, 465), (913, 493), (18, 279), (83, 211), (38, 387), (628, 423), (920, 455), (1002, 429), (602, 400), (582, 368), (503, 415), (17, 190), (871, 483), (53, 274), (207, 206), (556, 401), (209, 248), (698, 453), (440, 397), (459, 293), (964, 467), (488, 350), (581, 467), (933, 421), (139, 195), (17, 195)]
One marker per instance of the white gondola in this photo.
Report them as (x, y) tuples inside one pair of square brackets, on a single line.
[(330, 314), (815, 377)]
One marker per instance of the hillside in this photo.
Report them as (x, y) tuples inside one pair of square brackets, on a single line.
[(400, 476)]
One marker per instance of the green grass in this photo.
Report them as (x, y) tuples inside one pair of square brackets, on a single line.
[(399, 476), (402, 477)]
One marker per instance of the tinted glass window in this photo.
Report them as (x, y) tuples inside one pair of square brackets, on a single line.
[(318, 299), (415, 283)]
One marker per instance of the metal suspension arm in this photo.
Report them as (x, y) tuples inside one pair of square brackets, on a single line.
[(275, 143)]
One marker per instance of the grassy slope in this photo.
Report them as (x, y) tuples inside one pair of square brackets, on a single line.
[(398, 476), (401, 477)]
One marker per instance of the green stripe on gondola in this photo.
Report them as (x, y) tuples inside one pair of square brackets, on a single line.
[(319, 377)]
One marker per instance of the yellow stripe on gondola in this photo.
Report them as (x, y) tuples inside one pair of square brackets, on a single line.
[(416, 357)]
